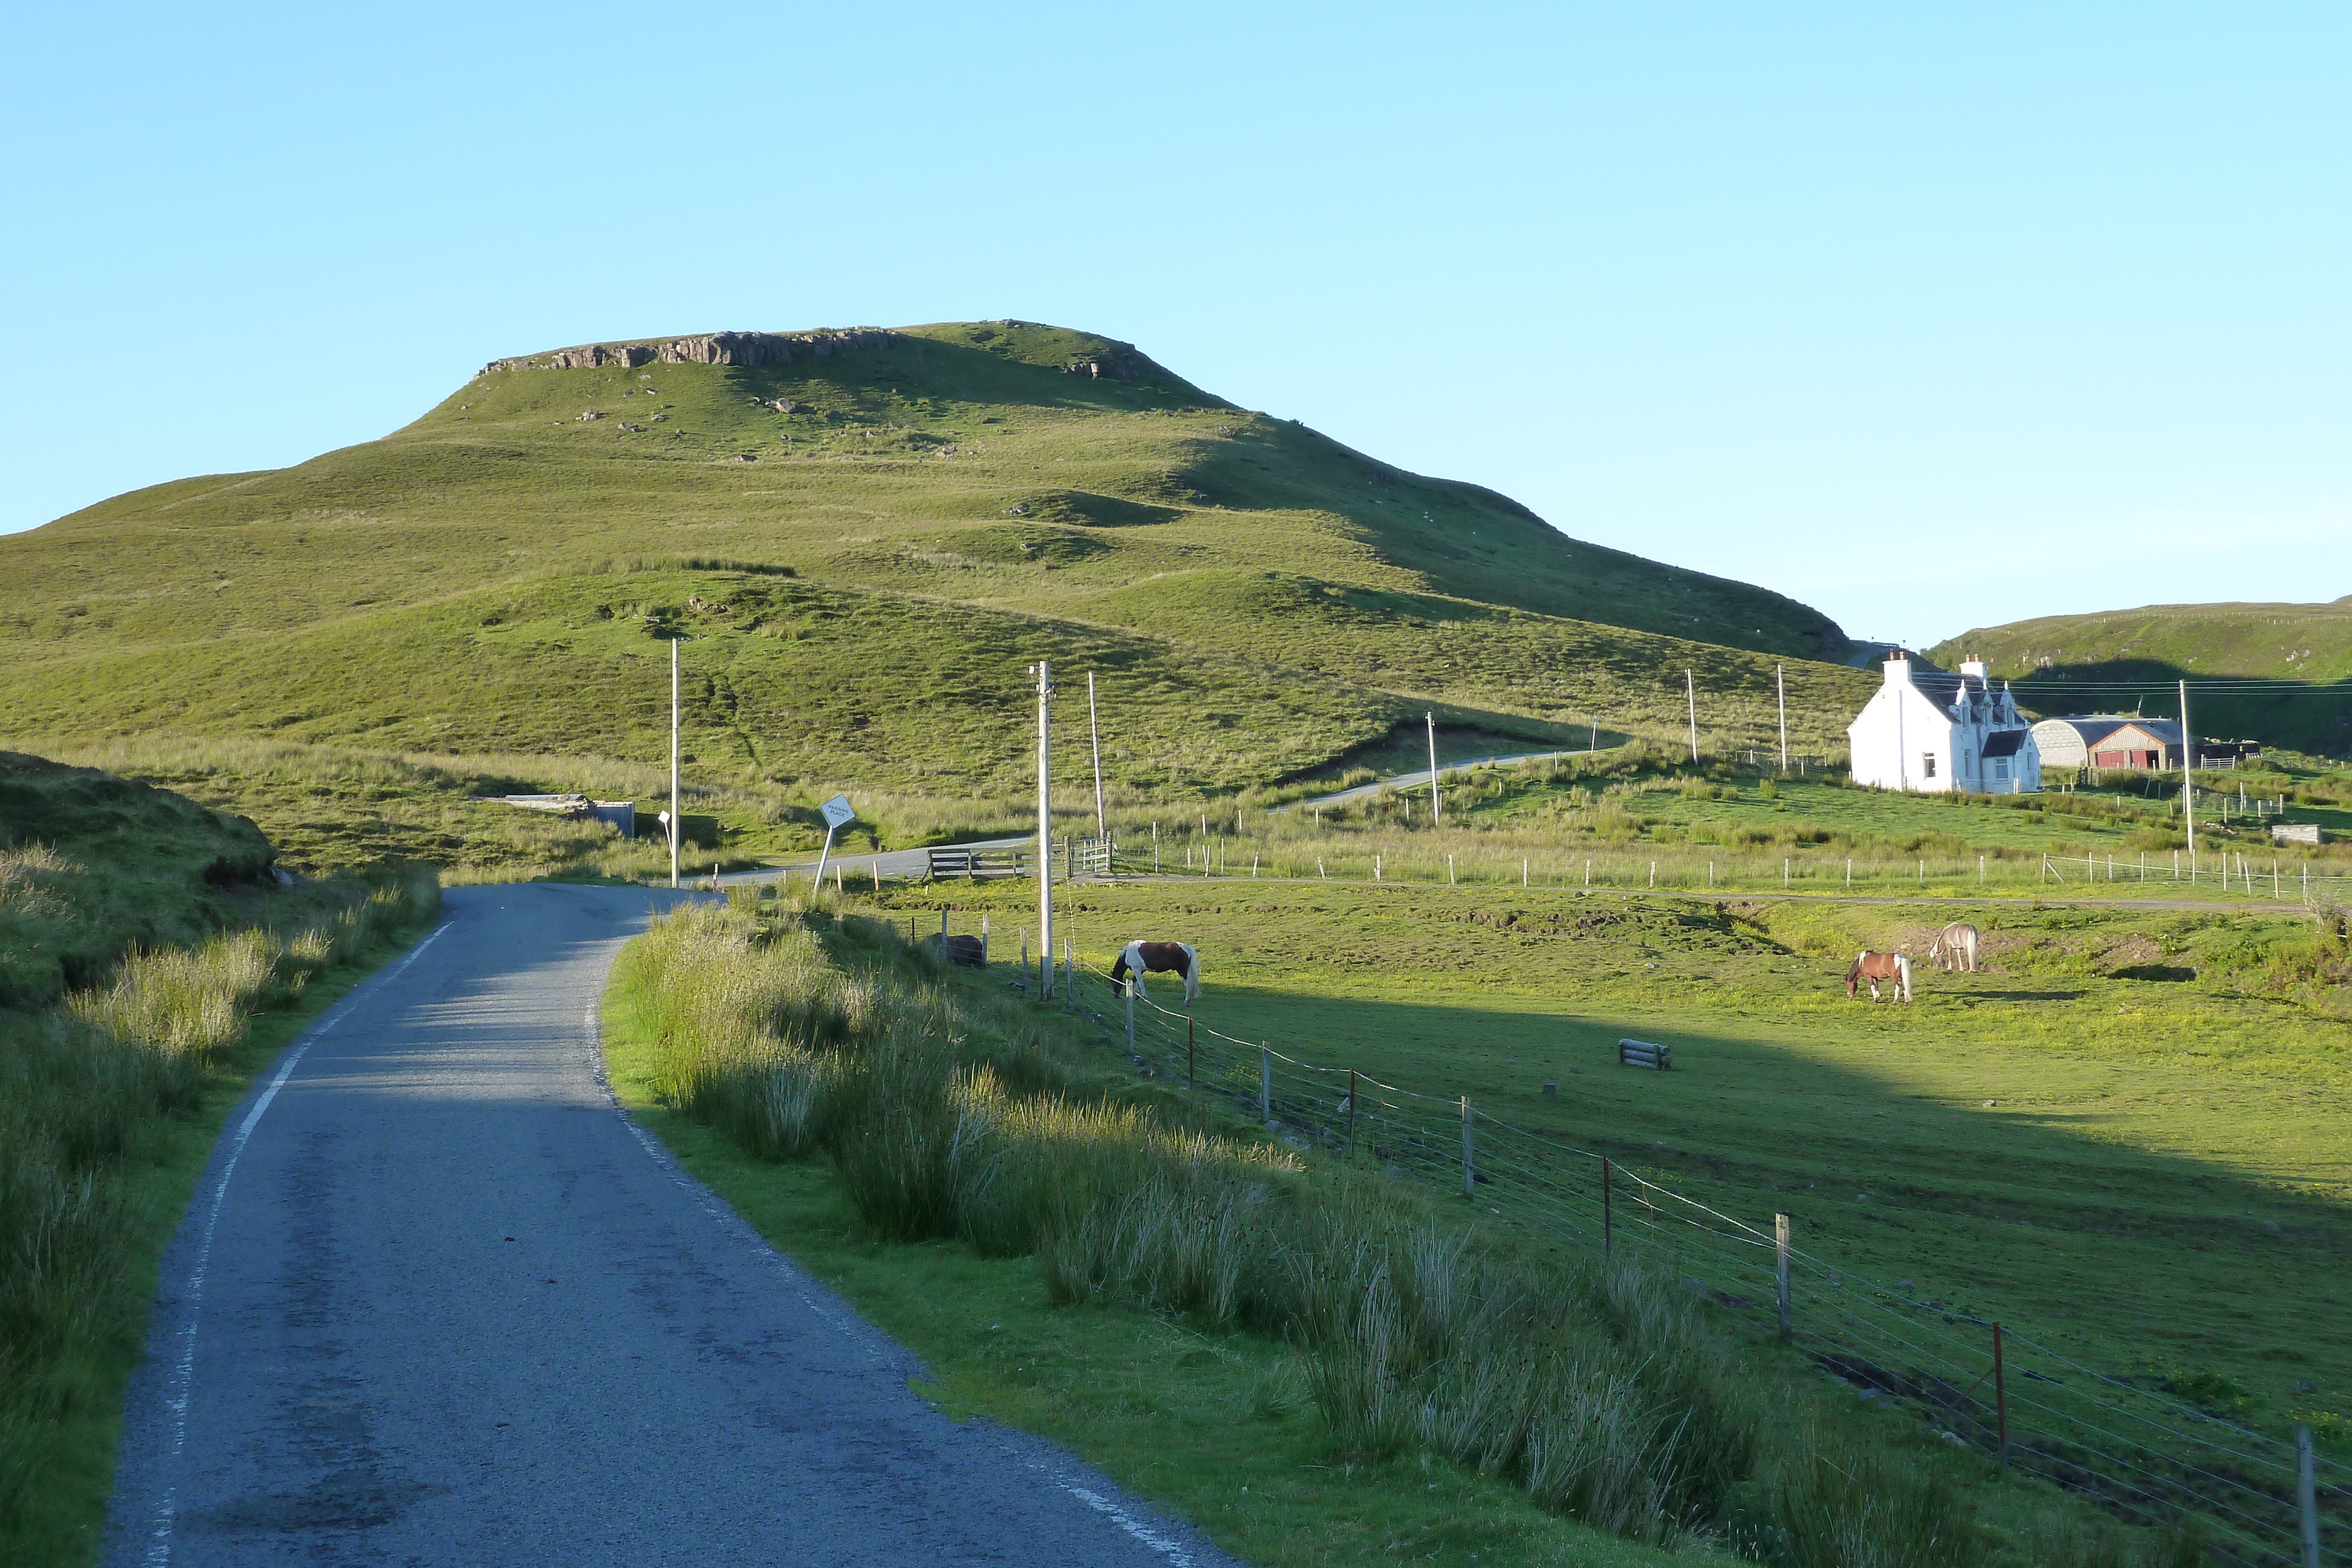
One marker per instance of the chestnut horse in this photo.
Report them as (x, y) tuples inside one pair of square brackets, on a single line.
[(1869, 969), (1158, 959)]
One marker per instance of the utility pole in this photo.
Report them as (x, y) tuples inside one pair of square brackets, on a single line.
[(1044, 829), (1690, 690), (1436, 810), (673, 762), (1781, 683), (1094, 731), (2188, 781)]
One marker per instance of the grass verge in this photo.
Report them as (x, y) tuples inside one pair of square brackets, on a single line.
[(111, 1103), (1461, 1400)]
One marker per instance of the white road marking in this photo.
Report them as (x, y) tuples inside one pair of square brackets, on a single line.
[(159, 1548), (1132, 1525)]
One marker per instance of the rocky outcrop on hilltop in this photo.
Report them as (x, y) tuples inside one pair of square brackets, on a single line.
[(707, 349)]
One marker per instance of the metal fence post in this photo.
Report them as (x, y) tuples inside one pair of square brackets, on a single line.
[(1781, 1273), (1351, 1110), (1264, 1084), (2306, 1495), (1069, 976), (1130, 1015), (2000, 1399), (1191, 1079), (1608, 1213), (1469, 1166)]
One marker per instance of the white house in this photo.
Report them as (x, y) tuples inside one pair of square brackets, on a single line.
[(1929, 730)]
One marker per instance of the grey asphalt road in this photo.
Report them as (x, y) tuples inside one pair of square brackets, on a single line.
[(437, 1300)]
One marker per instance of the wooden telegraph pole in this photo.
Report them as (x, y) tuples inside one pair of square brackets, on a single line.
[(1045, 829), (1781, 683), (2188, 781), (1436, 809), (673, 762), (1094, 732)]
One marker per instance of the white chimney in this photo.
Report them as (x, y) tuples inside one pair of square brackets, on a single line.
[(1973, 667)]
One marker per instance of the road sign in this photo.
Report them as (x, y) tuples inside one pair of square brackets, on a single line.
[(838, 811)]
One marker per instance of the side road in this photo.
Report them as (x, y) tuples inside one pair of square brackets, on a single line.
[(438, 1301)]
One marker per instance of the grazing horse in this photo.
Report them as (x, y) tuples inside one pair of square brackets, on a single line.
[(1869, 969), (1955, 947), (1158, 959)]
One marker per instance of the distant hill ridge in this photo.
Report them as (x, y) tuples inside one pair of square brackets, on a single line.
[(1120, 361), (952, 501), (2160, 643)]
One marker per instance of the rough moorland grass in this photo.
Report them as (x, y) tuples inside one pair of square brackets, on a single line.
[(93, 865), (2126, 1135), (1597, 1391), (110, 1101), (864, 594)]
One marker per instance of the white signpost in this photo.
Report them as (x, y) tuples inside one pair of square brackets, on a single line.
[(838, 814)]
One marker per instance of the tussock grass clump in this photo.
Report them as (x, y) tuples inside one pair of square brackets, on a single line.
[(1599, 1388)]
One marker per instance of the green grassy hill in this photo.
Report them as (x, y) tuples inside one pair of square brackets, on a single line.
[(867, 535), (2310, 644), (93, 866)]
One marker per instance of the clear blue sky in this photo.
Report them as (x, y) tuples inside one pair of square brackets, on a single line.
[(1932, 317)]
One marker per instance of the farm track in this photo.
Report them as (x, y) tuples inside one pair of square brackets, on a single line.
[(438, 1302)]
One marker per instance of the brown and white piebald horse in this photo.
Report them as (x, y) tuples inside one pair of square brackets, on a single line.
[(1137, 958), (1869, 969)]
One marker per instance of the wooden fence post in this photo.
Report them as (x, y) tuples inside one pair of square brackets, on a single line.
[(984, 941), (1781, 1273), (1351, 1110), (1191, 1080), (1265, 1083), (1469, 1166), (1130, 1015)]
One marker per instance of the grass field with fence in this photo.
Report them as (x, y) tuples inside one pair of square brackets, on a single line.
[(2124, 1138), (967, 1127)]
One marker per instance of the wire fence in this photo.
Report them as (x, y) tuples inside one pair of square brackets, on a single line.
[(2149, 1457), (2222, 873)]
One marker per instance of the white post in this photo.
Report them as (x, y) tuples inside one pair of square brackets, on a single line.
[(1094, 733), (1522, 872), (2188, 781), (1045, 829), (1436, 808), (1780, 684), (673, 763), (1690, 690)]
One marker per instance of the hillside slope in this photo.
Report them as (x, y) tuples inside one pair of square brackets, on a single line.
[(868, 534), (92, 866), (2158, 644)]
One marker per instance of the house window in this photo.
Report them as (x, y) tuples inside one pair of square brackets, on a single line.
[(1927, 764), (2001, 767)]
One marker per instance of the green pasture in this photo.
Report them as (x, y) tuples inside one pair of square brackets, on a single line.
[(2128, 1136), (1619, 817)]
